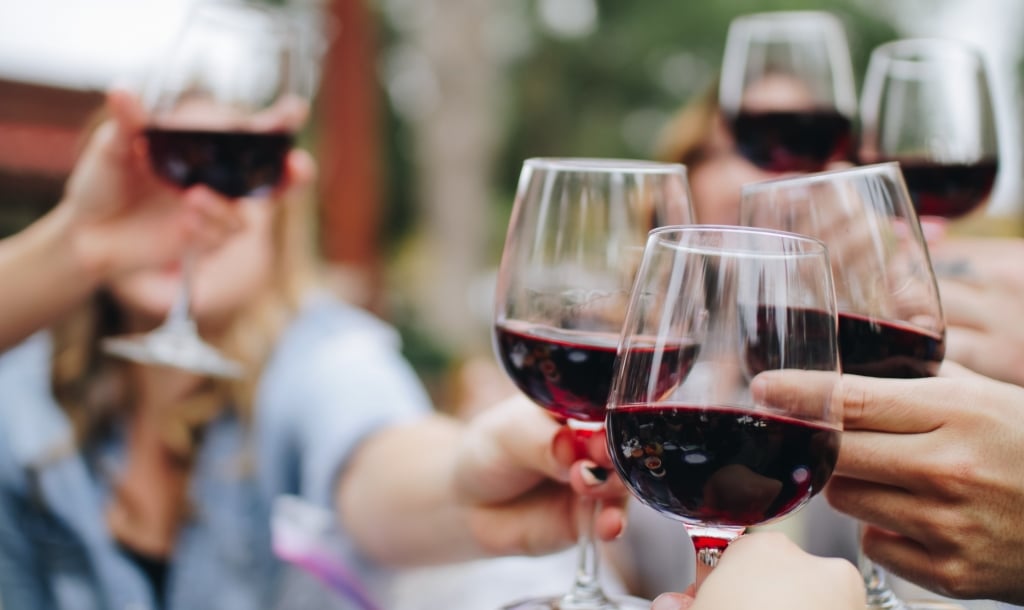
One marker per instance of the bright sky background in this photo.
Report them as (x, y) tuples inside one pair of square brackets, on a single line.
[(84, 44)]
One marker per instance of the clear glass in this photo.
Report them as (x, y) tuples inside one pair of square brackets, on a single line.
[(890, 316), (713, 309), (575, 239), (223, 104), (927, 103), (787, 89)]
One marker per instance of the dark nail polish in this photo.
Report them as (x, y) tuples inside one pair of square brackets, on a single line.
[(598, 472)]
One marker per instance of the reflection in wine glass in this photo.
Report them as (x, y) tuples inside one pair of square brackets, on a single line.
[(574, 243), (787, 89), (890, 317), (927, 103), (223, 105), (691, 436)]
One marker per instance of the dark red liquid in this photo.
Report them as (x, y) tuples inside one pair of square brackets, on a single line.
[(235, 164), (792, 141), (791, 338), (949, 190), (720, 466), (570, 374), (885, 349)]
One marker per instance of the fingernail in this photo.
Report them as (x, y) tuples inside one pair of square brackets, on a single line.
[(665, 601), (594, 475)]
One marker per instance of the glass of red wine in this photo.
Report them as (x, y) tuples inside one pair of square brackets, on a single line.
[(223, 104), (927, 103), (713, 308), (575, 239), (787, 90), (890, 317)]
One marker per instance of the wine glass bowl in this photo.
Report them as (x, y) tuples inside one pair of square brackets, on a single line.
[(223, 105), (713, 309), (927, 103), (574, 242), (787, 90)]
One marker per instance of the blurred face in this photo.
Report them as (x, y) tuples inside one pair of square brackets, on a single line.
[(223, 281), (717, 179)]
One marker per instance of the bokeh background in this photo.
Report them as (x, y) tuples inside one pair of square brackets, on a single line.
[(427, 109)]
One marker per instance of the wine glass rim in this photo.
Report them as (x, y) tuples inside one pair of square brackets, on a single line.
[(917, 50), (885, 167), (809, 246), (608, 165), (797, 16)]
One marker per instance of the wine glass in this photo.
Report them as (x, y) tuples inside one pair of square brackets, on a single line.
[(787, 89), (712, 309), (223, 105), (890, 317), (927, 104), (574, 241)]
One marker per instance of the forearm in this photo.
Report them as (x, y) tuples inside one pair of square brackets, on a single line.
[(45, 274), (408, 515)]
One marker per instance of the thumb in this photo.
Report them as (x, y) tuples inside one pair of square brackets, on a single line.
[(672, 601)]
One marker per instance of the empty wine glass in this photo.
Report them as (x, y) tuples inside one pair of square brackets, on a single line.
[(787, 89), (574, 241), (711, 310), (890, 316), (927, 103), (223, 105)]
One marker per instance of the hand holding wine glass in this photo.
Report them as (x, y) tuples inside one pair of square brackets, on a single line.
[(787, 89), (927, 103), (711, 310), (574, 242), (222, 109)]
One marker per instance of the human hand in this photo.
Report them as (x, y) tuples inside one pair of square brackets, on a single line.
[(766, 571), (519, 473), (120, 216), (982, 287), (932, 466)]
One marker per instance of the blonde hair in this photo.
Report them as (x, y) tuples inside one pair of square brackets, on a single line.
[(685, 137), (93, 388)]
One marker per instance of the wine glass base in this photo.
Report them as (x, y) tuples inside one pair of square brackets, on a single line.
[(183, 351), (611, 602)]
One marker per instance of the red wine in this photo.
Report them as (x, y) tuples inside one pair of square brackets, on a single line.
[(949, 190), (791, 338), (233, 163), (717, 465), (888, 349), (792, 141), (570, 373)]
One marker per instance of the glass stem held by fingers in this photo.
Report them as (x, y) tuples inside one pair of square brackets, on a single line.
[(176, 342)]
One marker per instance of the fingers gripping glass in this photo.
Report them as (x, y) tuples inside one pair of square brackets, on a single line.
[(574, 241), (220, 106), (713, 309), (787, 89), (890, 317)]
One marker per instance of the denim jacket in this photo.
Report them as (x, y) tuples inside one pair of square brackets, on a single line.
[(335, 377)]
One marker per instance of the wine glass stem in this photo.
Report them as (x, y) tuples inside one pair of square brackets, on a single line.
[(879, 595), (586, 588), (179, 318)]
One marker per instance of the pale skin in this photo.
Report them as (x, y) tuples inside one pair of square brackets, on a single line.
[(766, 571), (982, 291), (933, 466)]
